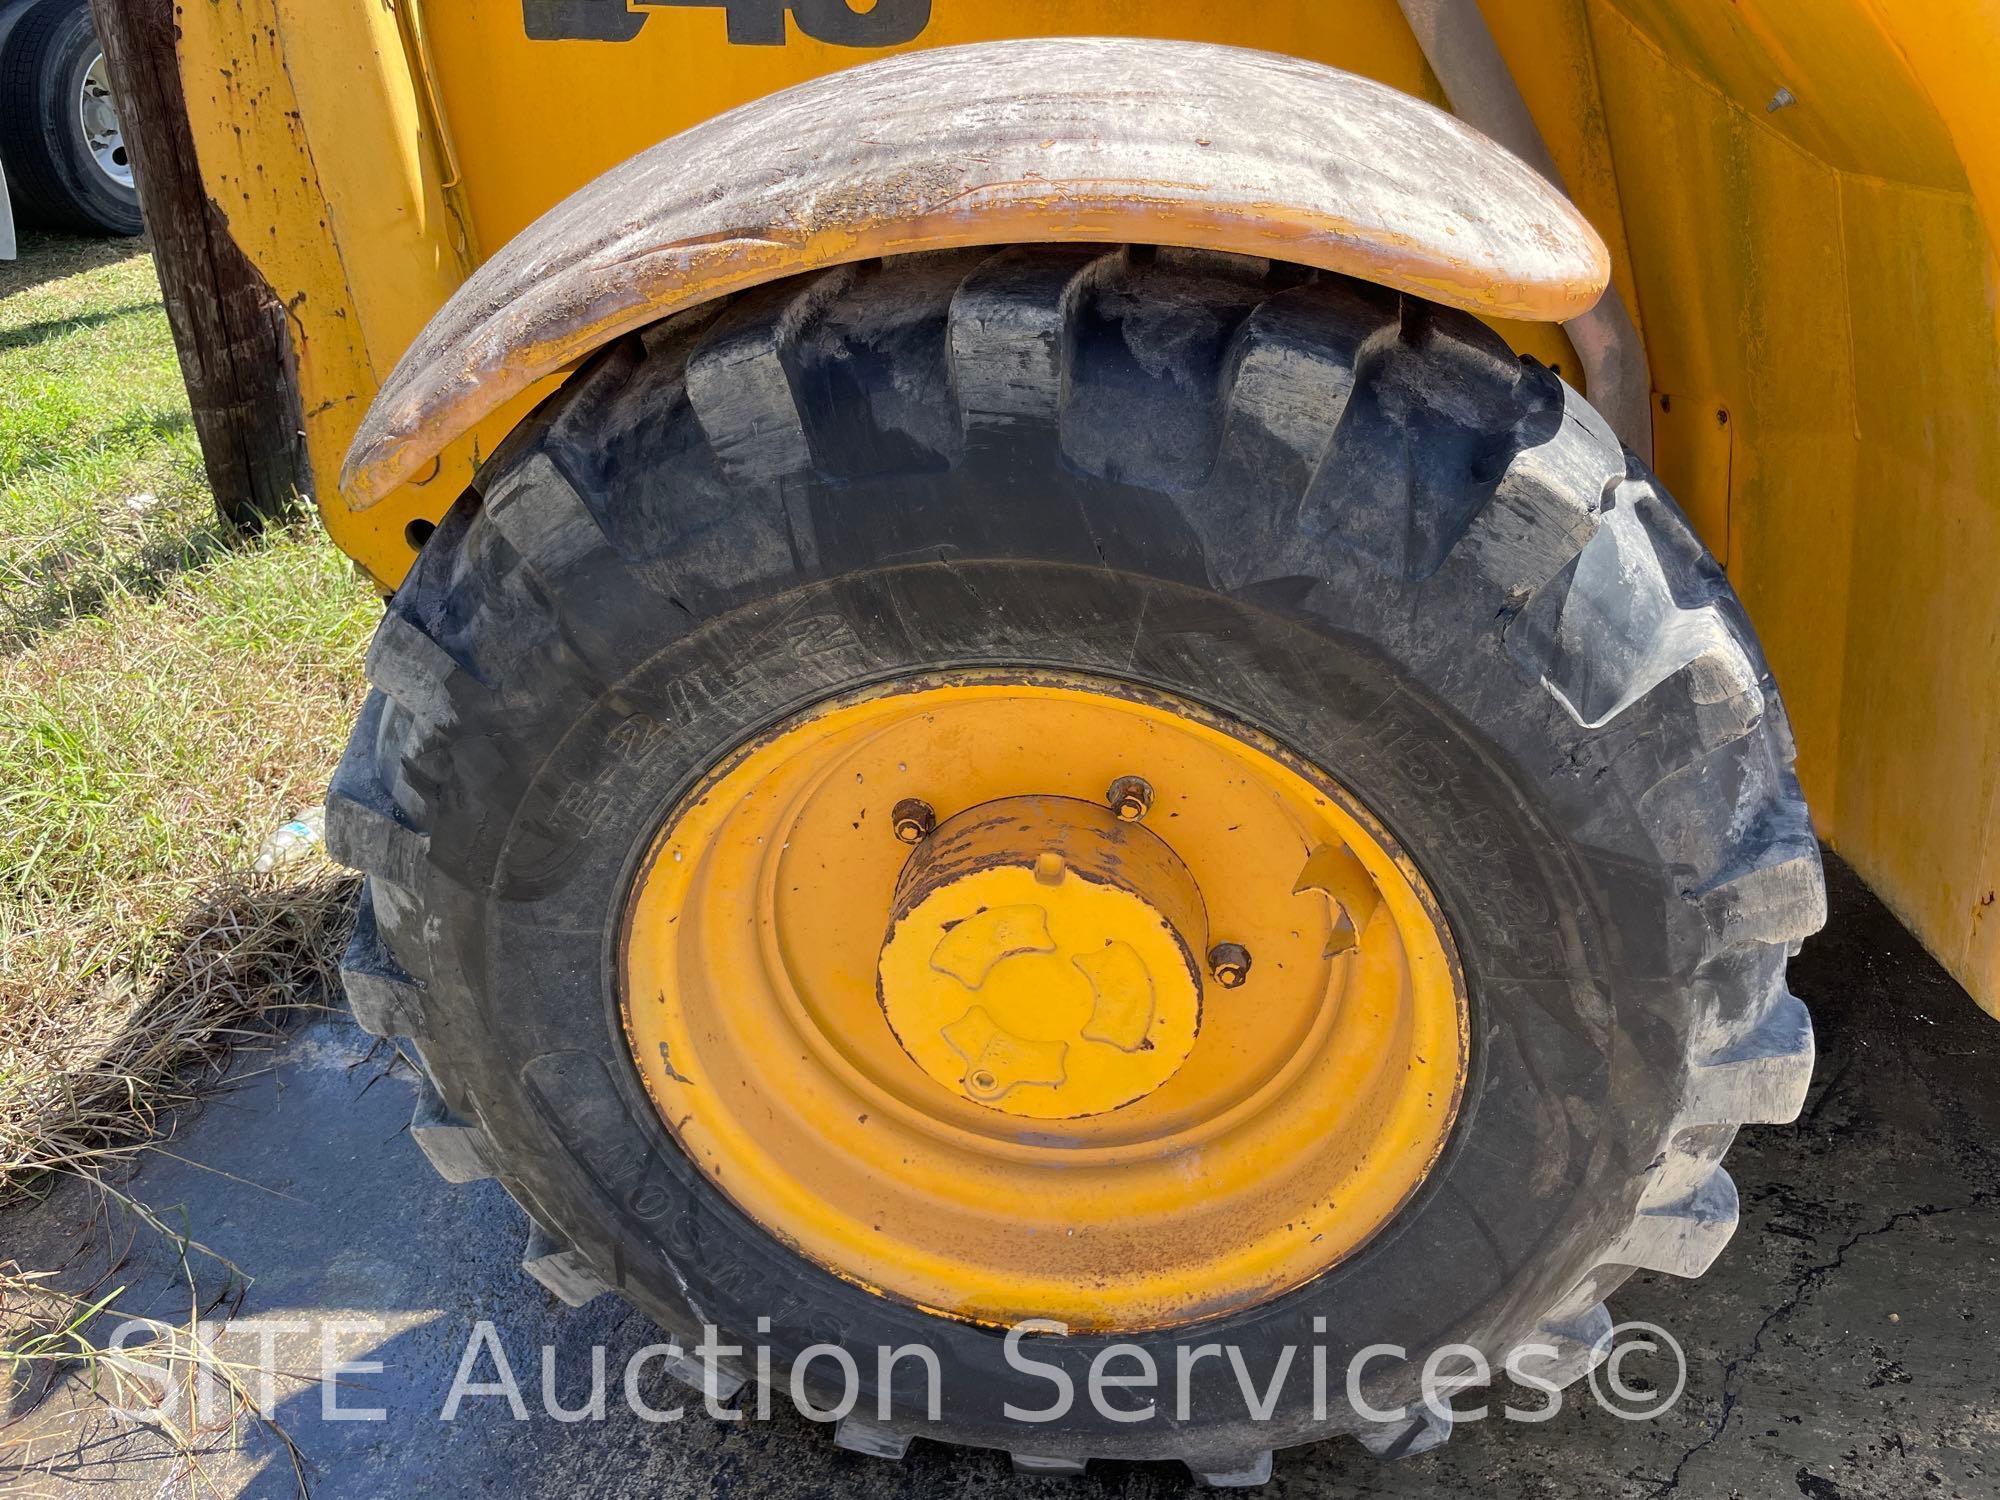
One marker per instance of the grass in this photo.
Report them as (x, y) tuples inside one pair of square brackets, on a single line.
[(101, 486), (169, 693)]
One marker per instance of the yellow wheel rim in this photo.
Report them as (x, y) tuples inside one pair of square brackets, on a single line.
[(1123, 1066)]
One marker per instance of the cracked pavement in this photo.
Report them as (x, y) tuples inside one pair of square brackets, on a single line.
[(1842, 1348)]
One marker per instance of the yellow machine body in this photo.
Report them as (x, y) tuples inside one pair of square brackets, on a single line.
[(1799, 204)]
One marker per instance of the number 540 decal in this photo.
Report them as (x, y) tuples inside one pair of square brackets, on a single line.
[(752, 23)]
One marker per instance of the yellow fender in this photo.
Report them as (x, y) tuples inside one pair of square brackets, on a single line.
[(1100, 140)]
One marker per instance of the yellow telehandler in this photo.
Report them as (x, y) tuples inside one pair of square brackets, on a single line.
[(1073, 678)]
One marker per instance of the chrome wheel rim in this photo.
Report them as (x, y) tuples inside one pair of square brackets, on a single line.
[(97, 118)]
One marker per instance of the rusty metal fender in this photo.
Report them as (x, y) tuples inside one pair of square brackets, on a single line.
[(1101, 140)]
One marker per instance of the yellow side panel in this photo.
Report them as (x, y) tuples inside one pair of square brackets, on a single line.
[(1742, 247), (1693, 438), (377, 172), (535, 120), (325, 175), (1952, 49), (258, 166), (1854, 108), (1845, 322), (1919, 756)]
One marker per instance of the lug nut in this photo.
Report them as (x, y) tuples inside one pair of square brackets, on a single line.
[(1229, 963), (912, 819), (1130, 797)]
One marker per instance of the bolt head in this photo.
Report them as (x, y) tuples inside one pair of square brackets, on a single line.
[(1229, 964), (1131, 797), (912, 820)]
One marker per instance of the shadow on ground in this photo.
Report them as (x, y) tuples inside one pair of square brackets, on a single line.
[(31, 334), (1842, 1348), (42, 257)]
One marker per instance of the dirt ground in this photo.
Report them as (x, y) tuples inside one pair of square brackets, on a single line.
[(1843, 1347)]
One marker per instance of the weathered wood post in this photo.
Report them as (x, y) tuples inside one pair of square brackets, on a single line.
[(230, 329)]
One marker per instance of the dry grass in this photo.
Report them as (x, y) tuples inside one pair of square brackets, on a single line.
[(168, 694), (80, 1093), (163, 1375)]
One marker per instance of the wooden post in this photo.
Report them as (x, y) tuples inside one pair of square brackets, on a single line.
[(230, 329)]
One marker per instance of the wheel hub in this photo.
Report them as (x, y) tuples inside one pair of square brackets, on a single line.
[(1041, 958), (97, 116), (1026, 993)]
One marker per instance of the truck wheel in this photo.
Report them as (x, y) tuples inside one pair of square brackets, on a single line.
[(67, 166), (1201, 801)]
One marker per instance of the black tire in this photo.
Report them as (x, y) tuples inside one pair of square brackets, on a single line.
[(1352, 519), (55, 181)]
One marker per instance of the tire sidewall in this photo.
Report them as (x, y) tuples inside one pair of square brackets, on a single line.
[(66, 59)]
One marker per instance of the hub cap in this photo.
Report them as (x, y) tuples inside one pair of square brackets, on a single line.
[(97, 117), (1124, 1060), (1039, 958)]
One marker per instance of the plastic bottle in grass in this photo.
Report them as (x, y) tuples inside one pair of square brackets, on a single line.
[(292, 842)]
